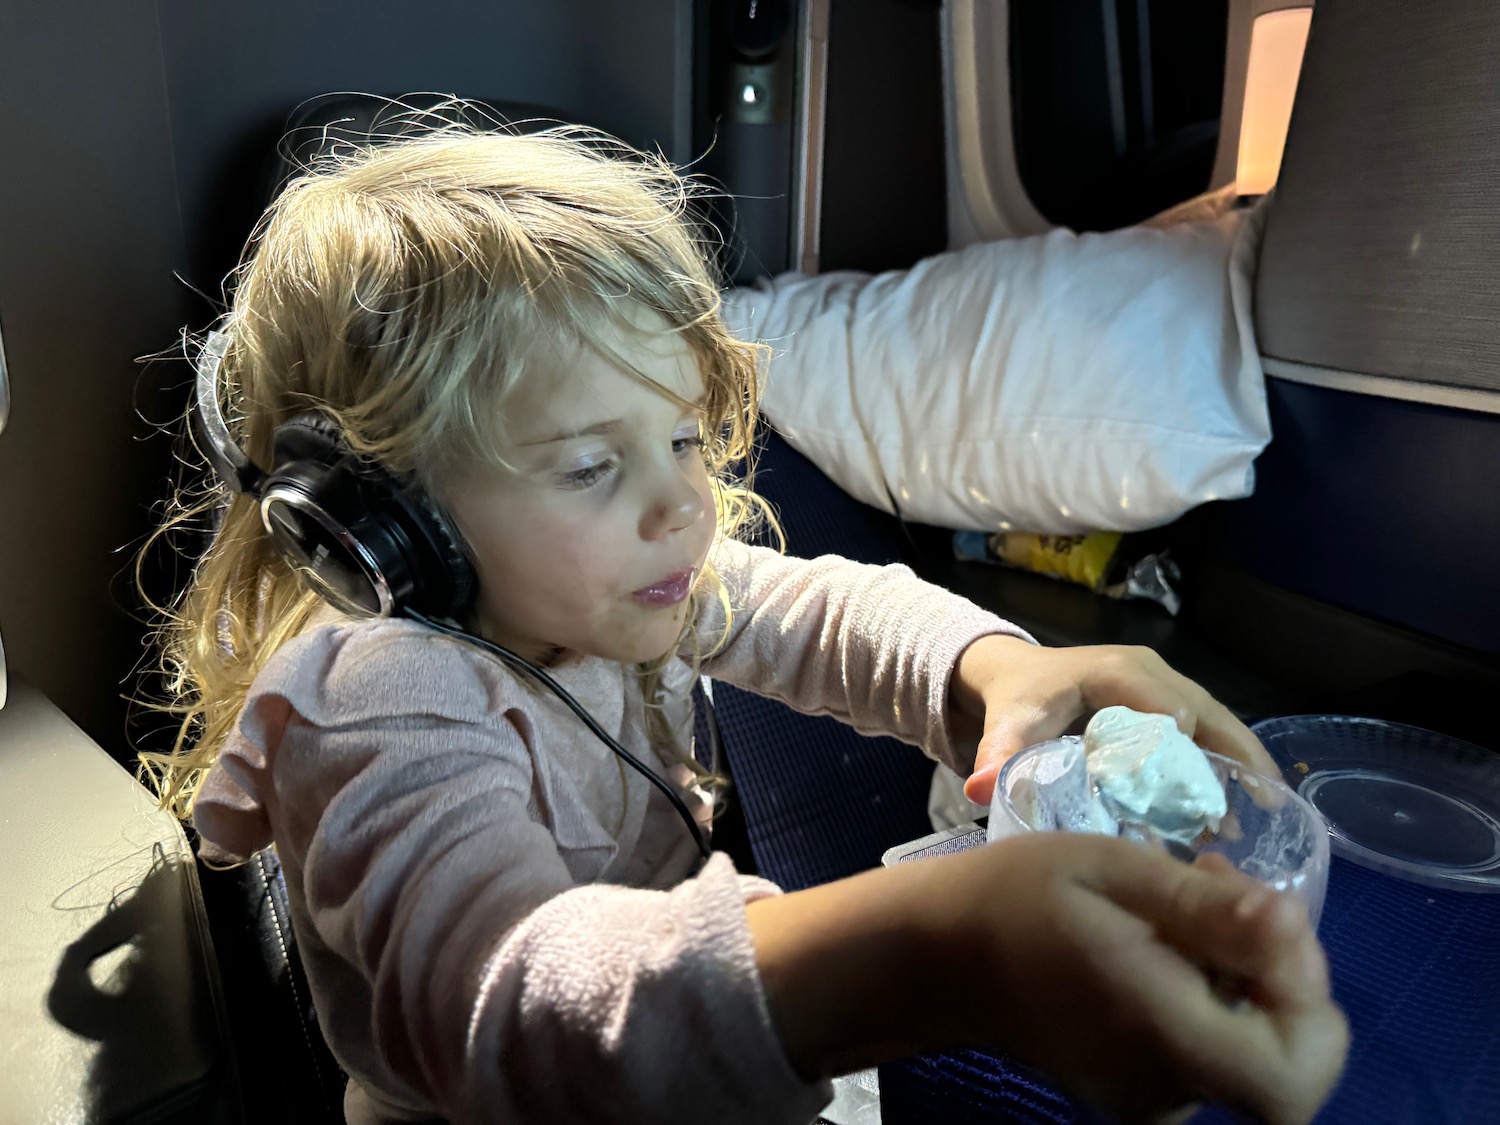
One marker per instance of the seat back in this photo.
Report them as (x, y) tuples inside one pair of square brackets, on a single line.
[(334, 122), (1375, 303)]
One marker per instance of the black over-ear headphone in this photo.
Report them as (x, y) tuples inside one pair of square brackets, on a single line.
[(366, 541), (362, 539)]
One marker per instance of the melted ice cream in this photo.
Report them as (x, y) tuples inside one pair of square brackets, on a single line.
[(1151, 773)]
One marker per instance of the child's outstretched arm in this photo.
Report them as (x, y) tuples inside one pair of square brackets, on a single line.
[(1007, 694), (890, 654), (873, 646), (1137, 981)]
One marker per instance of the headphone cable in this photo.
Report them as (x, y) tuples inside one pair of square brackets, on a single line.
[(518, 663)]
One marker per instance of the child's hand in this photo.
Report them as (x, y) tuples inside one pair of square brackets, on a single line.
[(1137, 981), (1022, 694), (1145, 984)]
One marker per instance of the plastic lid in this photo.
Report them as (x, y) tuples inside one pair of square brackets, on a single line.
[(1409, 802)]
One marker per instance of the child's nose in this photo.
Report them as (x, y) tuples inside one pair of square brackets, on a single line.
[(677, 505)]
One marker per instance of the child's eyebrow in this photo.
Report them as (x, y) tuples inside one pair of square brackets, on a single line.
[(606, 427)]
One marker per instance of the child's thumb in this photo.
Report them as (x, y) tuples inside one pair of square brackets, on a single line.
[(1002, 740)]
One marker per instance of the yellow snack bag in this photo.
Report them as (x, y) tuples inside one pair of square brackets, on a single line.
[(1084, 559)]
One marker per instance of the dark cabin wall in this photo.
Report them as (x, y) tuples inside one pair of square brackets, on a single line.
[(133, 146), (89, 234), (234, 70)]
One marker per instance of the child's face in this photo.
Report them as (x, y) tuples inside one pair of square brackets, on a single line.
[(591, 545)]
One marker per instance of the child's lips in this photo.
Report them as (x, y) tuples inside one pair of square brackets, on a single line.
[(669, 591)]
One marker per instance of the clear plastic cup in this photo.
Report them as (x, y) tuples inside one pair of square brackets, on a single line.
[(1269, 832)]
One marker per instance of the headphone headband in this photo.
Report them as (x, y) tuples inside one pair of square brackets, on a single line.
[(229, 462)]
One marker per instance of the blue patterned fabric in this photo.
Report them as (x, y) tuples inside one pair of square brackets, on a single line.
[(1417, 971), (818, 517), (820, 801), (973, 1088)]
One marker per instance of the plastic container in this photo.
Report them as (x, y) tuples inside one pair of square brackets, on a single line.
[(1269, 832), (1407, 802)]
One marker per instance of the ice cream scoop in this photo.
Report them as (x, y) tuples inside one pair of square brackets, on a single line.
[(1148, 773)]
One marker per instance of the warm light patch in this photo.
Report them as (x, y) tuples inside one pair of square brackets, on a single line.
[(1277, 42)]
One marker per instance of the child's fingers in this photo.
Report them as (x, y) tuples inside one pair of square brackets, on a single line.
[(1220, 731), (1222, 920), (1287, 967), (1194, 1045), (1056, 687), (979, 786), (1279, 1070), (1279, 1054), (1265, 796)]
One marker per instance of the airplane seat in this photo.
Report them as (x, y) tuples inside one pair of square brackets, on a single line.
[(1374, 305), (820, 800), (272, 1023), (326, 123)]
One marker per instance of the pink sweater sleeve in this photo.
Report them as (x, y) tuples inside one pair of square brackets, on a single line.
[(874, 646)]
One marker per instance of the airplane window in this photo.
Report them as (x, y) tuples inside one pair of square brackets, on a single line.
[(1116, 105)]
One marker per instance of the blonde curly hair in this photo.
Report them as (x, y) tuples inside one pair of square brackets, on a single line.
[(398, 288)]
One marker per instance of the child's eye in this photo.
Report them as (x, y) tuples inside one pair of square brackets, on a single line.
[(589, 475), (682, 446)]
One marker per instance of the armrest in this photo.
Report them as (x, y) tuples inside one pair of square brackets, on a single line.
[(107, 978)]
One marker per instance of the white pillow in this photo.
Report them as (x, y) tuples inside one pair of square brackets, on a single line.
[(1061, 383)]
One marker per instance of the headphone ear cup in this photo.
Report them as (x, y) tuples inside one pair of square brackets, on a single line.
[(360, 539), (452, 586)]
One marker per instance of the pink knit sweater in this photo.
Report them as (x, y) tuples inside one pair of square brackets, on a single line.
[(502, 923)]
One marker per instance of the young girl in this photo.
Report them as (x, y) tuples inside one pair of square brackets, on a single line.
[(502, 918)]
